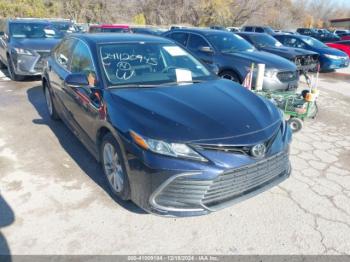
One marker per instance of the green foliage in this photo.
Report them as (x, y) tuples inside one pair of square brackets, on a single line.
[(28, 8), (139, 19)]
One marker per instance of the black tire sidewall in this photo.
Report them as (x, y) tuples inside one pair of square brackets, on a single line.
[(125, 193), (54, 115), (232, 74)]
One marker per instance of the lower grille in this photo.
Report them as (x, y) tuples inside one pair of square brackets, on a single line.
[(185, 192), (240, 181), (287, 76)]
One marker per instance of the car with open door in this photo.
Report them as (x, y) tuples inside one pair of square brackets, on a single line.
[(170, 135)]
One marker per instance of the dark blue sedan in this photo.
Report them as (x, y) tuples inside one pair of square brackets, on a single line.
[(330, 58), (169, 134)]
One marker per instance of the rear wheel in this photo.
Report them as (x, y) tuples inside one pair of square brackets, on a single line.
[(230, 76), (114, 167)]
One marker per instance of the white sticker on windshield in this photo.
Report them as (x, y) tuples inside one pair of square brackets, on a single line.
[(183, 75), (175, 50), (49, 31)]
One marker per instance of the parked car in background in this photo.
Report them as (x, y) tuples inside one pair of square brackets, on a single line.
[(320, 34), (330, 58), (345, 37), (148, 30), (218, 27), (25, 45), (109, 28), (233, 29), (233, 56), (83, 27), (341, 45), (258, 29), (341, 33), (205, 144), (64, 26), (305, 60)]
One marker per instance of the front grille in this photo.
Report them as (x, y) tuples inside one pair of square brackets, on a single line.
[(184, 192), (240, 181), (287, 76), (44, 55)]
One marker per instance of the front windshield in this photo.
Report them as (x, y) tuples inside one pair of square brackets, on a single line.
[(33, 30), (229, 43), (64, 27), (150, 64), (263, 40), (269, 30), (314, 42)]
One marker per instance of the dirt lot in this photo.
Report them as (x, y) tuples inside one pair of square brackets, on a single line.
[(53, 199)]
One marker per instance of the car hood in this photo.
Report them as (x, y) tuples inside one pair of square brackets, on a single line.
[(259, 57), (44, 44), (287, 52), (217, 111), (332, 51)]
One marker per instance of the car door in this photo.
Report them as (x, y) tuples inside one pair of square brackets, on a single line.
[(58, 70), (86, 100), (195, 45)]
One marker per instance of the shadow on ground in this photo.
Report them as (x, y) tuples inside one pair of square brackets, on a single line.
[(74, 147), (7, 217)]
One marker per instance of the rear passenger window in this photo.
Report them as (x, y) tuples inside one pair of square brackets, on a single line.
[(248, 29), (259, 30), (181, 38), (64, 51), (196, 41)]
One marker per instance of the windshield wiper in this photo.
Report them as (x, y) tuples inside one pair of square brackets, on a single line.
[(131, 86), (182, 82)]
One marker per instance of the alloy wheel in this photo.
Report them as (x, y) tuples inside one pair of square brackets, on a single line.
[(113, 167)]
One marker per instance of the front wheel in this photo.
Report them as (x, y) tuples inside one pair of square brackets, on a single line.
[(11, 70), (230, 76), (296, 124), (49, 103), (114, 167)]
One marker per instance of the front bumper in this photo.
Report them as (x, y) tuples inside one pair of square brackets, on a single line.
[(283, 81), (331, 64), (175, 187), (29, 65)]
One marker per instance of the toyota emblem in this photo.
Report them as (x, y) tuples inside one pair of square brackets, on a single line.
[(258, 151)]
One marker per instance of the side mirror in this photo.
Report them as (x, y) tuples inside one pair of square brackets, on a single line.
[(76, 80), (205, 49)]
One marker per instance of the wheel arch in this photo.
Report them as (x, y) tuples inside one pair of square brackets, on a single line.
[(230, 69)]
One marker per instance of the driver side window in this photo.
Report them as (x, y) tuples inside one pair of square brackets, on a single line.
[(196, 42), (81, 60)]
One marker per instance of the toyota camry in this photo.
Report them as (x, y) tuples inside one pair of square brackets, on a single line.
[(170, 135)]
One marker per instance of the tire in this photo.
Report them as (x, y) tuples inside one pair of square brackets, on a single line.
[(114, 169), (50, 103), (11, 70), (230, 76), (296, 124)]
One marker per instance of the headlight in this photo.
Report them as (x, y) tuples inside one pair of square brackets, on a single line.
[(333, 56), (270, 73), (164, 148), (22, 51)]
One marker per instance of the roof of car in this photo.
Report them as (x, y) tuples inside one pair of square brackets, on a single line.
[(250, 33), (203, 31), (29, 21), (102, 38), (111, 26)]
